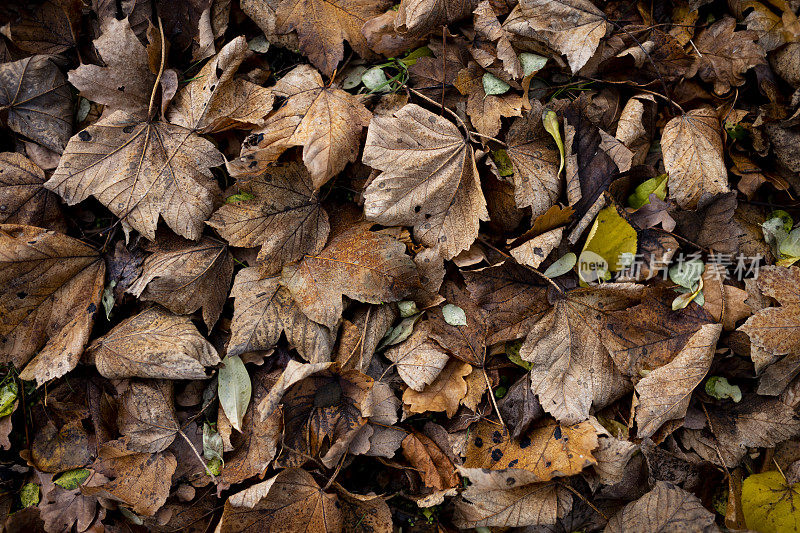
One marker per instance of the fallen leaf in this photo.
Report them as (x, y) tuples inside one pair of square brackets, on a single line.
[(419, 359), (50, 28), (25, 201), (536, 250), (537, 504), (57, 449), (444, 394), (428, 179), (776, 329), (768, 503), (488, 27), (437, 471), (665, 508), (235, 390), (420, 17), (147, 416)]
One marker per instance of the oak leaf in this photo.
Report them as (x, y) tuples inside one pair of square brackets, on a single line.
[(24, 198), (428, 179), (141, 170)]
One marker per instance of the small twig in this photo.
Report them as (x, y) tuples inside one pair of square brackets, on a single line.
[(444, 62), (197, 454), (453, 113), (587, 502), (695, 48), (160, 69), (491, 396)]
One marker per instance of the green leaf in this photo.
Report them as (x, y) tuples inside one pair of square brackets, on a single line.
[(561, 266), (550, 121), (29, 495), (770, 504), (512, 351), (8, 395), (454, 315), (375, 79), (241, 197), (492, 85), (212, 443), (504, 166), (789, 248), (400, 332), (411, 59), (108, 298), (687, 273), (611, 240), (234, 388), (719, 388), (72, 479), (407, 308), (214, 466), (531, 63), (641, 195)]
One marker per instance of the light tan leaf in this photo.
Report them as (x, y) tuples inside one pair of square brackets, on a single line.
[(488, 27), (23, 198), (290, 501), (692, 147), (153, 344), (665, 508), (35, 94), (126, 82), (147, 416), (215, 101), (141, 170), (184, 276), (549, 450), (536, 250), (360, 264), (436, 469), (263, 309), (325, 121), (444, 394), (51, 288), (537, 504), (572, 370), (429, 179), (777, 329), (293, 373), (665, 392), (419, 359), (573, 27), (322, 26), (285, 217), (725, 55)]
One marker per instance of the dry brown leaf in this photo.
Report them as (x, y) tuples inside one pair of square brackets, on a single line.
[(665, 392), (549, 450), (419, 359), (326, 121), (437, 471), (322, 26), (263, 309), (51, 288), (428, 179), (141, 170), (692, 147), (712, 226), (147, 416), (56, 449), (61, 509), (290, 501), (725, 55), (360, 264), (444, 394), (153, 344), (573, 27), (572, 370), (284, 217), (37, 100), (537, 504), (486, 110), (216, 101), (488, 27), (725, 303), (665, 508), (536, 250), (184, 276), (777, 329), (420, 17), (24, 200), (364, 513), (49, 28)]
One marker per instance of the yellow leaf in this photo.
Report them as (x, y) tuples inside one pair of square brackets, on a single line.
[(770, 504), (611, 238)]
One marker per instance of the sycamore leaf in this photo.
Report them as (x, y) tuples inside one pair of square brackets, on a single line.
[(777, 329), (536, 504), (665, 392), (126, 82), (184, 276), (692, 147), (770, 503), (360, 264), (429, 179), (290, 501), (263, 309), (141, 170), (322, 26), (725, 55), (24, 198), (153, 344), (283, 216), (215, 101), (235, 389), (147, 416), (51, 289), (573, 27), (324, 120), (37, 100), (665, 508), (572, 370), (444, 394)]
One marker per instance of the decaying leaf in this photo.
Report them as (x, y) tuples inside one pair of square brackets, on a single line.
[(665, 508), (147, 416), (436, 469), (536, 504), (24, 199), (444, 394)]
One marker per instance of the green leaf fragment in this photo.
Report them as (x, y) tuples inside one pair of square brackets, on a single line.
[(234, 389), (29, 495), (492, 85), (550, 121), (719, 388), (212, 443), (531, 63), (214, 466), (641, 195), (72, 479), (375, 80), (512, 351), (561, 266), (454, 315), (241, 197), (108, 298), (407, 308), (504, 165), (8, 395)]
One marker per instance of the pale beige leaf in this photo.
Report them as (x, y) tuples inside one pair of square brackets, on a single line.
[(419, 359), (536, 250), (444, 394), (429, 179), (293, 373), (153, 344), (692, 148)]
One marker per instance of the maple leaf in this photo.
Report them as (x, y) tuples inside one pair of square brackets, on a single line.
[(61, 508), (141, 170), (37, 100), (25, 201), (428, 179), (153, 344), (263, 309), (51, 290), (665, 508), (284, 217), (725, 55), (358, 263), (692, 147), (322, 26), (184, 276), (325, 121), (777, 329)]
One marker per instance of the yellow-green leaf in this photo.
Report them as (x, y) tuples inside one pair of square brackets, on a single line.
[(611, 238), (72, 479), (641, 196), (770, 504), (550, 121), (8, 395), (29, 495)]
